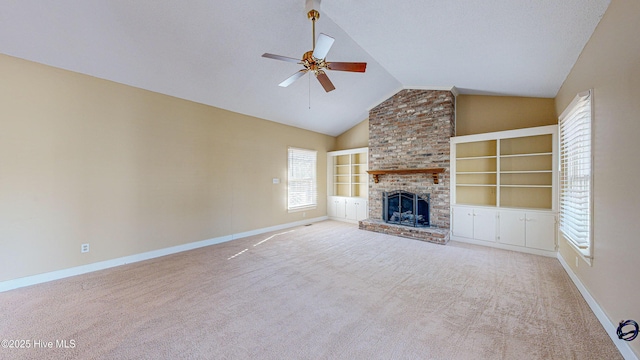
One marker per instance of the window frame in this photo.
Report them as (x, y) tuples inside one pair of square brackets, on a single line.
[(313, 193), (584, 248)]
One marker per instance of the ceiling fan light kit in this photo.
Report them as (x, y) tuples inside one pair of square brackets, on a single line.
[(315, 59)]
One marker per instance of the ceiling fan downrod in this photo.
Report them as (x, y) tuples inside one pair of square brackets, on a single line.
[(313, 15)]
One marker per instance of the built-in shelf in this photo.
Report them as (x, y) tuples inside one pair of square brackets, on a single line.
[(347, 176), (503, 189), (433, 171), (524, 172), (513, 168), (521, 155), (477, 157), (490, 185), (348, 185)]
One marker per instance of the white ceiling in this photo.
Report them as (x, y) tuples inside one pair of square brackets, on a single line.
[(209, 51)]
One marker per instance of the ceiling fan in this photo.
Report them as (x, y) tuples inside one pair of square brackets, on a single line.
[(314, 60)]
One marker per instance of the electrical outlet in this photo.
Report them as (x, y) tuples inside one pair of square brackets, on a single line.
[(304, 214), (84, 248), (577, 262)]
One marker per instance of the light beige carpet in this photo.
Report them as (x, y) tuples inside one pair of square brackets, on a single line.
[(326, 291)]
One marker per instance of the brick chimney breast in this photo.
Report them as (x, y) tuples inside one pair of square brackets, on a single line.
[(411, 130)]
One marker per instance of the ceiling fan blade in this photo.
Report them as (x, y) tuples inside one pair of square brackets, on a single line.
[(347, 66), (323, 45), (293, 78), (280, 57), (324, 81)]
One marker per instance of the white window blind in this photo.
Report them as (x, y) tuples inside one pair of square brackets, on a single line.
[(575, 171), (301, 189)]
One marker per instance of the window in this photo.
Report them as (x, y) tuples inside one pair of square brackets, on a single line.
[(301, 189), (575, 173)]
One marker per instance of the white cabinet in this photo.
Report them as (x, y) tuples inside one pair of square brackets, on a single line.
[(356, 209), (541, 231), (336, 207), (344, 208), (524, 230), (512, 227), (462, 222), (474, 223), (484, 224), (535, 230), (347, 184)]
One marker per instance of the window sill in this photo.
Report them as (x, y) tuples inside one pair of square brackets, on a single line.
[(585, 254), (304, 208)]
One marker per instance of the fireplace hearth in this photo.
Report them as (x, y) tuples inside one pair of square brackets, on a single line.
[(405, 208)]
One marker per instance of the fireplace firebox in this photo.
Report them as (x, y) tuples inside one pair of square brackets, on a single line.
[(405, 208)]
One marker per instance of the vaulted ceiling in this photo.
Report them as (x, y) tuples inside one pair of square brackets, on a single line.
[(209, 51)]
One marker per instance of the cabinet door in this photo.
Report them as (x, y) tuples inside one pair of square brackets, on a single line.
[(331, 206), (512, 228), (341, 207), (356, 209), (484, 224), (336, 207), (541, 231), (361, 209), (462, 222), (351, 208)]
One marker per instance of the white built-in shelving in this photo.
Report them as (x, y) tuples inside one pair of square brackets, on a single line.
[(348, 184), (512, 175)]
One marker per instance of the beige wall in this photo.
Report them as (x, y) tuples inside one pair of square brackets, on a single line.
[(356, 137), (84, 160), (477, 114), (610, 65)]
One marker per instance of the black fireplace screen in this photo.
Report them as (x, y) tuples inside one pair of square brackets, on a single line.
[(405, 208)]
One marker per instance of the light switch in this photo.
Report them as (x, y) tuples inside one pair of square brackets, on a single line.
[(276, 181)]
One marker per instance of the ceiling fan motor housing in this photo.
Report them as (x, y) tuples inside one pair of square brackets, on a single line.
[(312, 63)]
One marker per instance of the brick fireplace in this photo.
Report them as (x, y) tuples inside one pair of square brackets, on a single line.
[(411, 130)]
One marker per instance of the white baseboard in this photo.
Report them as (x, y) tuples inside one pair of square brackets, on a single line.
[(78, 270), (504, 246), (343, 220), (610, 327)]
